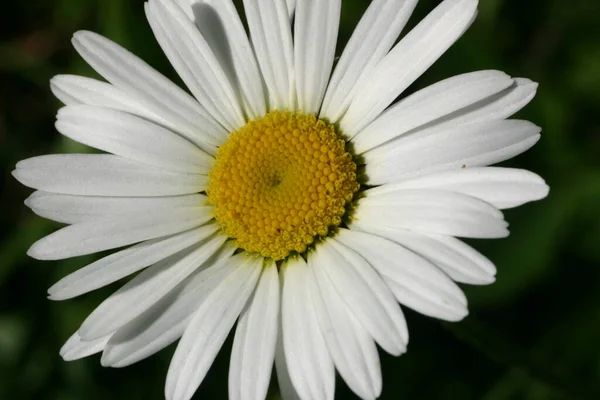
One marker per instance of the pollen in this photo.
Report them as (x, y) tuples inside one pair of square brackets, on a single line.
[(281, 182)]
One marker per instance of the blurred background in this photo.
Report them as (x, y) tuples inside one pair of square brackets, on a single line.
[(531, 335)]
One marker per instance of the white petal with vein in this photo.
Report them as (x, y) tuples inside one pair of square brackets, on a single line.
[(430, 104), (458, 260), (165, 322), (271, 34), (306, 356), (116, 231), (500, 106), (367, 296), (75, 90), (222, 28), (253, 349), (75, 348), (315, 33), (415, 282), (103, 175), (431, 211), (152, 284), (351, 347), (150, 89), (373, 37), (412, 56), (208, 330), (192, 57), (131, 137), (501, 187), (468, 146), (118, 265), (70, 209)]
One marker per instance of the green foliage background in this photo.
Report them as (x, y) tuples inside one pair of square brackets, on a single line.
[(531, 335)]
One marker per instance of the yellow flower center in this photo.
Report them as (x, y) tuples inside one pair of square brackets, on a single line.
[(280, 182)]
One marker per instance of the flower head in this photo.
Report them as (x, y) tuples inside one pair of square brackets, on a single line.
[(285, 194)]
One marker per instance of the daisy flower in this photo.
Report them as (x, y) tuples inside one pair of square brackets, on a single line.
[(285, 194)]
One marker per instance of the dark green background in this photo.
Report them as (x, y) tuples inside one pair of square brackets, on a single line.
[(534, 334)]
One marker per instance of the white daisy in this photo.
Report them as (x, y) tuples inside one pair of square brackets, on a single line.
[(286, 194)]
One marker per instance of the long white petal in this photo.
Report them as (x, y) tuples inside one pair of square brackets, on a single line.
[(103, 175), (431, 211), (152, 284), (415, 53), (253, 349), (430, 104), (284, 381), (71, 209), (458, 260), (351, 347), (131, 137), (195, 62), (473, 145), (500, 106), (75, 90), (416, 282), (271, 33), (493, 108), (501, 187), (165, 322), (220, 24), (116, 231), (307, 359), (373, 37), (364, 292), (208, 330), (75, 348), (315, 34), (118, 265), (150, 89)]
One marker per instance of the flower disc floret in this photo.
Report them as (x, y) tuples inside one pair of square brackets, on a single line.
[(280, 182)]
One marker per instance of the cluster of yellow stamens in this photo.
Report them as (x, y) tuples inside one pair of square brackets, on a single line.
[(280, 182)]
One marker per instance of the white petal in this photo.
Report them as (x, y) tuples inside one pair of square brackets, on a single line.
[(501, 187), (150, 89), (473, 145), (430, 104), (458, 260), (315, 34), (220, 24), (71, 209), (75, 348), (373, 37), (271, 35), (165, 322), (291, 6), (115, 231), (208, 330), (131, 137), (415, 53), (431, 211), (500, 106), (284, 381), (253, 349), (496, 107), (123, 263), (307, 360), (152, 284), (193, 59), (353, 351), (364, 292), (103, 175), (74, 90), (416, 283)]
